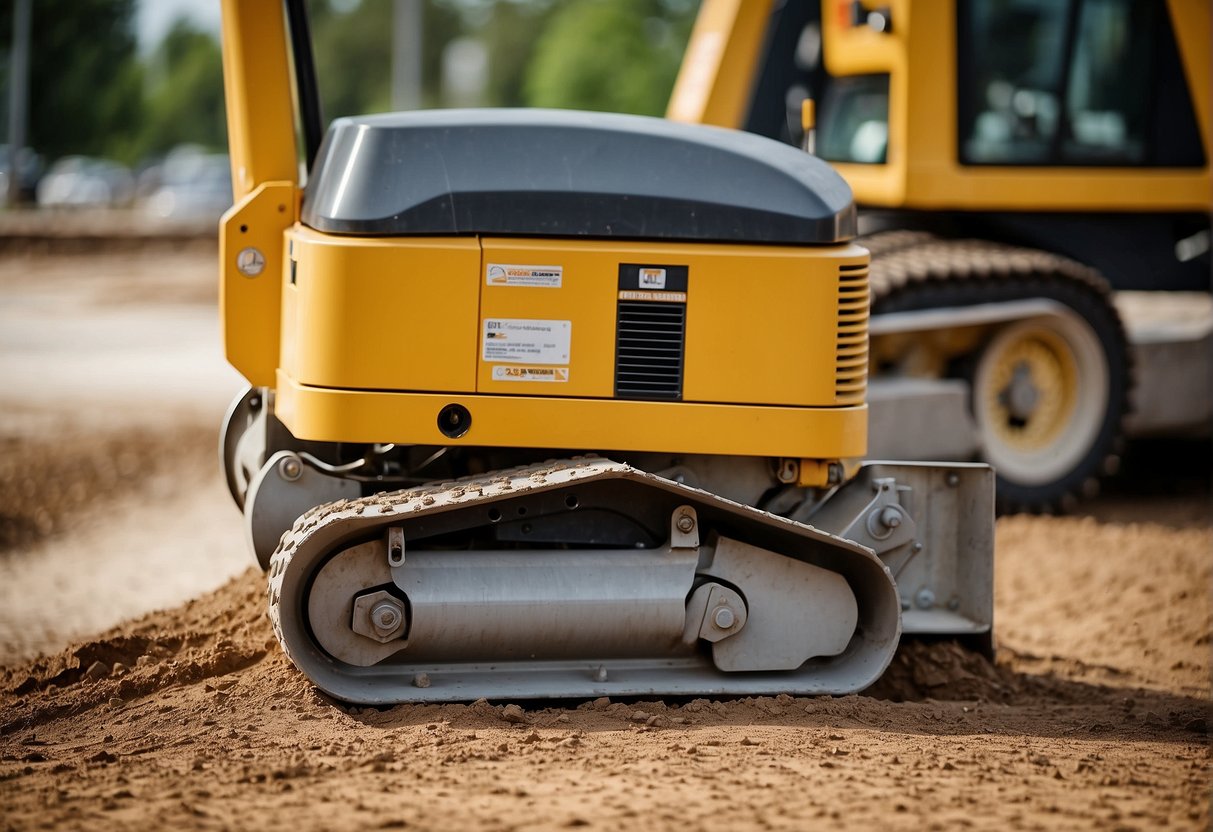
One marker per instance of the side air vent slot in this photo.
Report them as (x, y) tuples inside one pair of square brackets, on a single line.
[(851, 355), (649, 350)]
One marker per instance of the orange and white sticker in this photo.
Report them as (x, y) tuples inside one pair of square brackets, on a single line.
[(530, 373), (504, 274)]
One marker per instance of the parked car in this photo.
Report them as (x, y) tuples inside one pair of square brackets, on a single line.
[(193, 184), (82, 181)]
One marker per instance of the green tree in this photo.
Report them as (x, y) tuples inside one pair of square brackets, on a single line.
[(353, 53), (617, 55), (184, 92), (510, 35), (86, 83)]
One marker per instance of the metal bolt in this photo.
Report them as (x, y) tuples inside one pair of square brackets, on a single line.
[(953, 603), (890, 518), (600, 675), (386, 617), (686, 524), (925, 599), (290, 469), (250, 261), (724, 618), (953, 480)]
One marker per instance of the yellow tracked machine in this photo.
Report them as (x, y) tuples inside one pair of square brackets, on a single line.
[(556, 404)]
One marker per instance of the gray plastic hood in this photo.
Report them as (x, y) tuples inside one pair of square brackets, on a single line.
[(557, 173)]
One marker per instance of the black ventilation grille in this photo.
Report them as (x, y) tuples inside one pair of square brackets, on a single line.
[(851, 356), (649, 350)]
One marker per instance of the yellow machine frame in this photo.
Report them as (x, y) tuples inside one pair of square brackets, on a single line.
[(366, 339)]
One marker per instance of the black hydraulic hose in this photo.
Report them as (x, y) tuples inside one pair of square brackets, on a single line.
[(305, 80)]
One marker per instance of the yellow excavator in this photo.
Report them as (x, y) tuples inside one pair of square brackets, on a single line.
[(1034, 187), (557, 404)]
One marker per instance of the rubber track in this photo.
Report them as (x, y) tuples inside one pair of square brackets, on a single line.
[(905, 261), (281, 559)]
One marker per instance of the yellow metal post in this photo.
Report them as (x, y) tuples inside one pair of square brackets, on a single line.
[(717, 75), (257, 88), (257, 85)]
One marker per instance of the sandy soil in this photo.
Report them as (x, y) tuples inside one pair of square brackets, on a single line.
[(1095, 714)]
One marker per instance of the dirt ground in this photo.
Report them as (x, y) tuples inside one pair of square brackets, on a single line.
[(1095, 714)]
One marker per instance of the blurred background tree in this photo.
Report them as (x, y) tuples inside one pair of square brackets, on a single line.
[(616, 55), (183, 100), (85, 78), (96, 90)]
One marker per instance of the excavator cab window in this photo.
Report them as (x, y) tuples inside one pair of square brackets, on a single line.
[(1072, 83), (855, 120)]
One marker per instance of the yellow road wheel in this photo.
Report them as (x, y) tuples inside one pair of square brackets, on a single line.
[(1040, 397)]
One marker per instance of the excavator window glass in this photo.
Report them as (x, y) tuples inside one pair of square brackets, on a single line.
[(1011, 70), (1084, 82), (854, 124)]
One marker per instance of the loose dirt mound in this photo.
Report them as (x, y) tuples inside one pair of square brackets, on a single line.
[(1094, 715), (193, 717)]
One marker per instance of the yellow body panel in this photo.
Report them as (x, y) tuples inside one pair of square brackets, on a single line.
[(585, 300), (600, 424), (371, 313), (379, 334), (251, 302), (740, 329), (258, 91), (762, 325)]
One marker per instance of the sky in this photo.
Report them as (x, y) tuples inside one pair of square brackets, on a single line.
[(153, 18)]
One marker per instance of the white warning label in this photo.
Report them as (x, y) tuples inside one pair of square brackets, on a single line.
[(525, 341), (503, 274), (651, 278), (530, 373)]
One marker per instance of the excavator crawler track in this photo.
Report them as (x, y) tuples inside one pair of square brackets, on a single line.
[(613, 614), (916, 270)]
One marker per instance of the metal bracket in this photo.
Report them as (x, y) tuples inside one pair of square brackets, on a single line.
[(684, 528), (395, 546)]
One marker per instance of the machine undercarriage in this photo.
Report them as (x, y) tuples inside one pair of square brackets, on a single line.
[(587, 577)]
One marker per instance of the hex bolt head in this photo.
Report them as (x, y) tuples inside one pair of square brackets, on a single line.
[(290, 468), (386, 616), (686, 523), (953, 480), (724, 618), (925, 599)]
